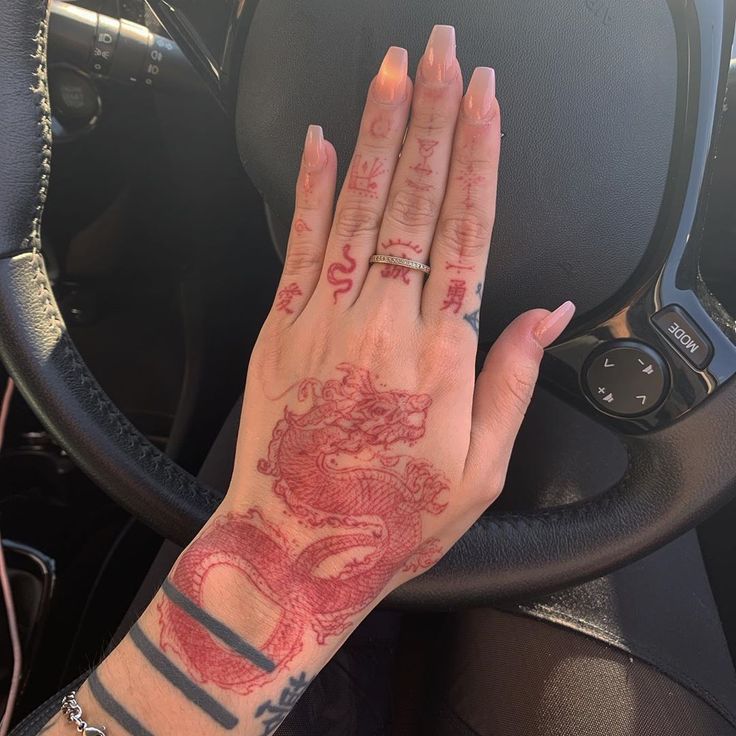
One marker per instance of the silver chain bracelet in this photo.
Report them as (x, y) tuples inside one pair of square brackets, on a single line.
[(73, 712)]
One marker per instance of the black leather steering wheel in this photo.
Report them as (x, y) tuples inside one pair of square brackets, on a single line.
[(649, 124)]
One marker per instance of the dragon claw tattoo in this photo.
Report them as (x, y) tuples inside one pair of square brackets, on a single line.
[(336, 463)]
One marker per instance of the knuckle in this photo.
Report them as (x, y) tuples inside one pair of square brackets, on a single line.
[(469, 235), (494, 483), (352, 220), (372, 144), (308, 202), (474, 162), (446, 350), (379, 339), (429, 118), (302, 258), (412, 210), (489, 479), (519, 385)]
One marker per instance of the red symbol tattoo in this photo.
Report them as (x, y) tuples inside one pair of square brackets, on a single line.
[(286, 296), (301, 226), (363, 176), (345, 283), (455, 295), (426, 151), (470, 181), (391, 243), (458, 267), (398, 273), (337, 468), (380, 127)]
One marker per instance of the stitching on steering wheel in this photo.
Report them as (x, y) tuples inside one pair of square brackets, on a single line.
[(32, 242), (41, 95), (125, 430)]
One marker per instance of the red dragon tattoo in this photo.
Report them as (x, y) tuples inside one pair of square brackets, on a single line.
[(336, 468)]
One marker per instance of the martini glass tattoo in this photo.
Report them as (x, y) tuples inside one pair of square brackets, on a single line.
[(367, 443)]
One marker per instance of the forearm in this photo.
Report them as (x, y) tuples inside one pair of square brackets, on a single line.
[(228, 657)]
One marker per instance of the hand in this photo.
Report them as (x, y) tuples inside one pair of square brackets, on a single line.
[(367, 445), (364, 375)]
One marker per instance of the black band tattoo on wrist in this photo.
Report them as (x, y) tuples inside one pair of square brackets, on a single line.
[(217, 628), (108, 703), (191, 691)]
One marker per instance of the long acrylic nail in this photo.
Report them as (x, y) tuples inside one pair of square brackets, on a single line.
[(552, 326), (438, 62), (390, 85), (478, 101), (314, 148)]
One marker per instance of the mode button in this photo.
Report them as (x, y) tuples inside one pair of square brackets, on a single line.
[(676, 325)]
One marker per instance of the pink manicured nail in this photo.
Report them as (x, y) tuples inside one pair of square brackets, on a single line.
[(552, 326), (438, 63), (314, 148), (390, 84), (478, 101)]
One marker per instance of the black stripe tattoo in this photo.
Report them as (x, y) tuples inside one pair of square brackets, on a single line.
[(217, 628), (193, 692), (101, 694)]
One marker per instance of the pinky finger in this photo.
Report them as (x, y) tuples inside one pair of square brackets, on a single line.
[(310, 227)]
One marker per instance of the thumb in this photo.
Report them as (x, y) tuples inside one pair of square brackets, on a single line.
[(504, 389)]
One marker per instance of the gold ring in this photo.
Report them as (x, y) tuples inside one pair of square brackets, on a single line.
[(403, 262)]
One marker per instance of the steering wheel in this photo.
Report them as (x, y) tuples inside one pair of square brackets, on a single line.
[(611, 118)]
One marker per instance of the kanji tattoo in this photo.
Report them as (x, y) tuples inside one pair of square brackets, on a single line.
[(455, 295), (272, 713), (286, 296)]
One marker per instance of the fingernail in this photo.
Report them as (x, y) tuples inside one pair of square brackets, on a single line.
[(552, 326), (481, 92), (314, 148), (390, 84), (438, 62)]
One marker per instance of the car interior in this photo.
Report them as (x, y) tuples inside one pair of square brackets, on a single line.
[(147, 167)]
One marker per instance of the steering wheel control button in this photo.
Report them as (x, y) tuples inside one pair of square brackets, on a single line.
[(626, 379), (74, 102), (682, 333)]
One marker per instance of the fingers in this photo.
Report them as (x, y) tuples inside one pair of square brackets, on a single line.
[(504, 389), (363, 197), (461, 243), (418, 187), (310, 227)]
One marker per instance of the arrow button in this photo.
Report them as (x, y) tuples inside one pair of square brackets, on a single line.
[(625, 378)]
